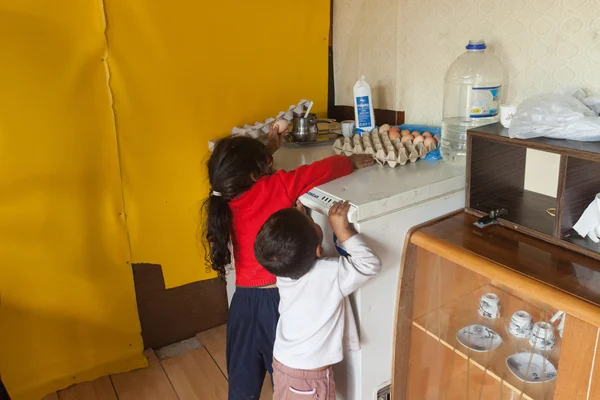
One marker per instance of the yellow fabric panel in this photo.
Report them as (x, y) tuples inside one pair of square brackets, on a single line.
[(184, 72), (68, 310)]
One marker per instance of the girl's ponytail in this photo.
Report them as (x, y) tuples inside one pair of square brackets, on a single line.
[(234, 166), (218, 233)]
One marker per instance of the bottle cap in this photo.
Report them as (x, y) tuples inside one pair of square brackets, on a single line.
[(476, 45)]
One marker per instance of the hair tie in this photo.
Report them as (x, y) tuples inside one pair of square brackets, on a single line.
[(217, 194)]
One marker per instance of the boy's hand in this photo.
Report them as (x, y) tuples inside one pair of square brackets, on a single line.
[(338, 218), (275, 138), (361, 160), (300, 207)]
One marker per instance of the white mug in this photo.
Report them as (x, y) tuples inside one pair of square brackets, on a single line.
[(348, 128), (520, 324), (542, 336), (507, 112), (489, 305)]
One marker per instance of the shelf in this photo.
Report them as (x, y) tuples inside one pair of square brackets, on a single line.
[(585, 150), (443, 323), (574, 238), (525, 208)]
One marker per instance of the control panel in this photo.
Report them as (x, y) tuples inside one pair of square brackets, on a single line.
[(321, 202)]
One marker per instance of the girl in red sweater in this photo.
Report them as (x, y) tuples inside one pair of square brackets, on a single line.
[(246, 191)]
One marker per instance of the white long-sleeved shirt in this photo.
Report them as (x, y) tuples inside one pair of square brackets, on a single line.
[(316, 320)]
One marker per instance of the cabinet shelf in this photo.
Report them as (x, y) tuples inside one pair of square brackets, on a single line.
[(443, 323)]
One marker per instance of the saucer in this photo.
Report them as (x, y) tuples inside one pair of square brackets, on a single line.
[(478, 338), (531, 367)]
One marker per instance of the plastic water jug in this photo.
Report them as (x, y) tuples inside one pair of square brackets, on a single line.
[(472, 93)]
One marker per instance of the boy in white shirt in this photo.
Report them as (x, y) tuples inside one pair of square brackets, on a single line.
[(315, 314)]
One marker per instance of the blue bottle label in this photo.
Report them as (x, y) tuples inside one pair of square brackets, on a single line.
[(364, 111), (485, 101)]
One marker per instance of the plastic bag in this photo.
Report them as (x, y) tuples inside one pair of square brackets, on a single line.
[(556, 116)]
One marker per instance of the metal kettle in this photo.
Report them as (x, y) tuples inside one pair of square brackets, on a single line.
[(305, 129)]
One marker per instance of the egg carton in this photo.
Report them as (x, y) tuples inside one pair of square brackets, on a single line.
[(262, 128), (383, 150)]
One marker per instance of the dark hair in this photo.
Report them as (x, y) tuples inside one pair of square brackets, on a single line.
[(234, 166), (286, 245)]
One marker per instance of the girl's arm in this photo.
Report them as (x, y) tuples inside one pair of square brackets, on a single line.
[(306, 177)]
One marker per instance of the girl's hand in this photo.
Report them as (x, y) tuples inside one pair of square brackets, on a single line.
[(338, 218), (275, 138), (361, 160)]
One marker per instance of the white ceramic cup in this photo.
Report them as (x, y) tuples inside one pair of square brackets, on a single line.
[(507, 112), (542, 336), (489, 305), (520, 324), (348, 128)]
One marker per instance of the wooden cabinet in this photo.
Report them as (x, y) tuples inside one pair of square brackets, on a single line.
[(448, 265)]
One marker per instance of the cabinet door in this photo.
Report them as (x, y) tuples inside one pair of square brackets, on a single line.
[(448, 346)]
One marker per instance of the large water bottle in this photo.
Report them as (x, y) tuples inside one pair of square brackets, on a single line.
[(471, 98)]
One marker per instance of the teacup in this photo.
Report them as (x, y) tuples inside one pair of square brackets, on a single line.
[(542, 336), (489, 305), (520, 324)]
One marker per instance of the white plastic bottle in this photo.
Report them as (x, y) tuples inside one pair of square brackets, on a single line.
[(363, 105), (471, 98)]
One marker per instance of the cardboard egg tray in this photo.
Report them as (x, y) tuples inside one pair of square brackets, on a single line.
[(384, 150)]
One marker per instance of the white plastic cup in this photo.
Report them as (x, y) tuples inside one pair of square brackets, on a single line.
[(507, 112), (348, 128)]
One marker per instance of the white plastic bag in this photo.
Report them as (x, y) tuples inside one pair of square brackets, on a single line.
[(556, 116)]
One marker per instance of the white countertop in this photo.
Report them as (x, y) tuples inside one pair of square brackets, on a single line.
[(379, 189)]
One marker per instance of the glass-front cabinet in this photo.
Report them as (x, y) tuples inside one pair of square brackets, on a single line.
[(494, 314)]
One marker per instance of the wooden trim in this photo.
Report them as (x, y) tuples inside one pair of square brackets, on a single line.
[(585, 150), (560, 195), (342, 113), (538, 290), (403, 322)]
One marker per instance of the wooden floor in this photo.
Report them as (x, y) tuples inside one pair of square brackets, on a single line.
[(198, 372)]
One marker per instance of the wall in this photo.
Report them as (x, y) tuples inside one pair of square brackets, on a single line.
[(184, 73), (68, 310), (85, 84), (404, 47)]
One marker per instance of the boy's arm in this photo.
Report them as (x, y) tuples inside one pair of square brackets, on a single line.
[(359, 267), (362, 264)]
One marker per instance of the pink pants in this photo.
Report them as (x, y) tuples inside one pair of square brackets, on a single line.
[(299, 384)]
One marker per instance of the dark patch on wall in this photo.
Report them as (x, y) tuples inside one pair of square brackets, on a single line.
[(3, 393), (170, 315)]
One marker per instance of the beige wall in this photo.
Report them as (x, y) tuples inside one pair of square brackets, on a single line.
[(404, 48)]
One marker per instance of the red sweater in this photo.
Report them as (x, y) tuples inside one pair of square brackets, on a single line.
[(269, 195)]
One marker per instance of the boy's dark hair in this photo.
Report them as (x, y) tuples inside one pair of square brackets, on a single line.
[(234, 166), (286, 245)]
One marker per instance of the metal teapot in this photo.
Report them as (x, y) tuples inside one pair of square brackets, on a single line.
[(305, 129)]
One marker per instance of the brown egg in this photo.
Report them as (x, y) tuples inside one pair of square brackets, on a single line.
[(417, 140), (394, 135), (416, 133), (281, 125), (405, 132), (429, 142), (427, 134), (394, 129), (406, 138), (385, 128)]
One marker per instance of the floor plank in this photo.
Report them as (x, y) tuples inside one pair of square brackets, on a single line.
[(214, 341), (99, 389), (144, 384), (195, 376), (267, 389)]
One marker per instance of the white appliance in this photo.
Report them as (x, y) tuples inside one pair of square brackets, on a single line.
[(385, 203)]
